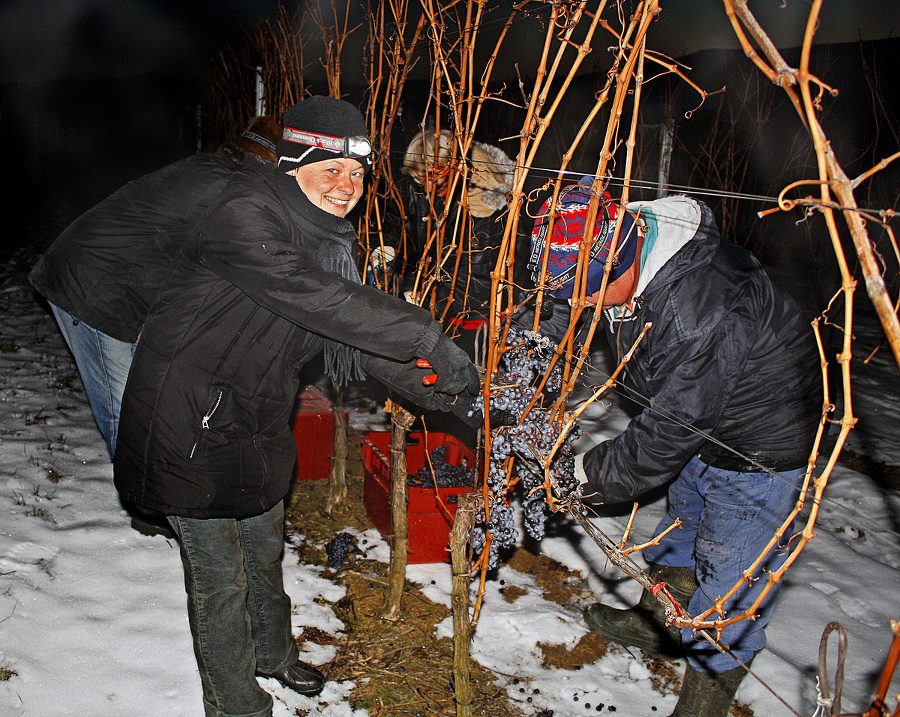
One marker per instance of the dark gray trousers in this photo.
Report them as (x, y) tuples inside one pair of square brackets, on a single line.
[(239, 614)]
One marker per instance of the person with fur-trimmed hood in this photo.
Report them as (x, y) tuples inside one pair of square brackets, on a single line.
[(266, 282), (423, 192), (729, 381), (103, 273)]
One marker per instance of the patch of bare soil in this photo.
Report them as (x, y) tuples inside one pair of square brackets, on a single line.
[(590, 648), (558, 583)]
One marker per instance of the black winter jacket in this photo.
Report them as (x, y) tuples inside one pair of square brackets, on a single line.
[(109, 265), (205, 424), (481, 246), (728, 363)]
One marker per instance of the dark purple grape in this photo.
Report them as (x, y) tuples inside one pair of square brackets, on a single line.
[(338, 549), (444, 474)]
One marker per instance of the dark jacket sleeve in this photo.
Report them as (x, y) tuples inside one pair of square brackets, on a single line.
[(108, 267), (249, 245), (689, 386)]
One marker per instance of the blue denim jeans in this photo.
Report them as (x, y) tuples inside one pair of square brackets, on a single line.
[(728, 518), (103, 363), (239, 614)]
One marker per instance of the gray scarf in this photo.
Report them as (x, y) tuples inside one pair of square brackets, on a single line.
[(334, 252)]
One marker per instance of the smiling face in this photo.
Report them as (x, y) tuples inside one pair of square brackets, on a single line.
[(334, 185)]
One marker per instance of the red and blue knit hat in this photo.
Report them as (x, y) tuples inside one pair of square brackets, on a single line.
[(566, 236)]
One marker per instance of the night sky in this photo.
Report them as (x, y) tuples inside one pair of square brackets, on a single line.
[(50, 39)]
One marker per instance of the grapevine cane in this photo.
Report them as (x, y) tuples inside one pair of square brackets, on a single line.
[(830, 177), (530, 141), (675, 613), (401, 422), (626, 565), (468, 507), (878, 707)]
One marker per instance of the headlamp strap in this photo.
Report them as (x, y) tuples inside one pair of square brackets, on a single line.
[(259, 140), (339, 145)]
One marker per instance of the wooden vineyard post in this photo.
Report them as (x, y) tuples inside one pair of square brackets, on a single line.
[(469, 506), (401, 422), (337, 478)]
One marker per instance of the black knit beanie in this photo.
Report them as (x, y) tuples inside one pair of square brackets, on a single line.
[(331, 121)]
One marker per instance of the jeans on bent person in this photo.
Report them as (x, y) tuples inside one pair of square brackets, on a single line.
[(239, 614), (728, 518), (103, 363)]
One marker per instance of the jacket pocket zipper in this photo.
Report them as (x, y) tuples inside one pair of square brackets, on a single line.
[(204, 422), (262, 457)]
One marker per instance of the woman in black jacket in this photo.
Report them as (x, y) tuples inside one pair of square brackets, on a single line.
[(266, 282), (417, 238)]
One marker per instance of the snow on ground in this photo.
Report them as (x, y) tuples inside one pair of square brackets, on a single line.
[(93, 619)]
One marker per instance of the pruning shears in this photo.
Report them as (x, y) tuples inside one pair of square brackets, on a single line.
[(430, 379)]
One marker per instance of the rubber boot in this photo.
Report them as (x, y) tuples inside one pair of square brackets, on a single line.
[(644, 626), (704, 695)]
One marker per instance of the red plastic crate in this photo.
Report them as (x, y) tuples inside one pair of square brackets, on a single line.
[(429, 525), (314, 434)]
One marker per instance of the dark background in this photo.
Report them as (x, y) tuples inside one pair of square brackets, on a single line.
[(95, 92)]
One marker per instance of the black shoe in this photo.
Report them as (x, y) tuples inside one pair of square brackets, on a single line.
[(151, 525), (300, 677)]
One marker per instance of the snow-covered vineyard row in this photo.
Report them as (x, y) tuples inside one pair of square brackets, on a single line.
[(92, 617)]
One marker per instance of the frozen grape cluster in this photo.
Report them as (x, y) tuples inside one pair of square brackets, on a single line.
[(528, 440), (502, 528), (445, 475), (565, 484), (338, 549), (528, 357)]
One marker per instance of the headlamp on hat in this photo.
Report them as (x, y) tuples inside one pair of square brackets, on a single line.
[(566, 235), (320, 128), (356, 147)]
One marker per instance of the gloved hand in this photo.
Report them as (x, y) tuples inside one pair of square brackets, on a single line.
[(383, 258), (450, 370), (380, 264), (462, 405)]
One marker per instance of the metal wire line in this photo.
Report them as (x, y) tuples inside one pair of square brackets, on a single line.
[(648, 184), (676, 188), (634, 183)]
